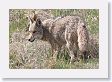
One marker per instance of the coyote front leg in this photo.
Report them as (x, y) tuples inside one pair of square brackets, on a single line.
[(55, 50)]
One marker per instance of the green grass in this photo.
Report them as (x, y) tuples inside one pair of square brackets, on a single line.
[(91, 64)]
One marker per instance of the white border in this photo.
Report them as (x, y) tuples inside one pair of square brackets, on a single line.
[(102, 72)]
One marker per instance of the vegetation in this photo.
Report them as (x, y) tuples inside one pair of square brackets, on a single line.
[(37, 55)]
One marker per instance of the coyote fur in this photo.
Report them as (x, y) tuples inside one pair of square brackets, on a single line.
[(69, 31)]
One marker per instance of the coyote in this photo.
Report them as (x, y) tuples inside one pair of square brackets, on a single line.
[(68, 31)]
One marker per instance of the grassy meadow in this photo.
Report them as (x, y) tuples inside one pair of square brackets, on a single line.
[(37, 55)]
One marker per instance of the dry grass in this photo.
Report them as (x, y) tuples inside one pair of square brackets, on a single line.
[(37, 55)]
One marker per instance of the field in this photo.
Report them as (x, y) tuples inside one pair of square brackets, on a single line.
[(37, 55)]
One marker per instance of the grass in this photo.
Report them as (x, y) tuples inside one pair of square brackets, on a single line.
[(37, 55), (92, 64), (49, 63)]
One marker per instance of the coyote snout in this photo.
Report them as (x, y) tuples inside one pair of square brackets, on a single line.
[(69, 31)]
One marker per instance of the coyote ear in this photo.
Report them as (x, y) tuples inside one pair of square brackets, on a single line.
[(38, 22), (35, 17)]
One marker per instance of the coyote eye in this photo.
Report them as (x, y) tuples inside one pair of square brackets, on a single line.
[(34, 31), (84, 26)]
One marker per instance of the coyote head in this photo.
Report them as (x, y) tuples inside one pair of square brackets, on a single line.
[(34, 29)]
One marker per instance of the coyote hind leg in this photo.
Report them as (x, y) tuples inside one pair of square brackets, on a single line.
[(84, 56)]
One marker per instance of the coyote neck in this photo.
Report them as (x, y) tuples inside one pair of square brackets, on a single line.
[(47, 36)]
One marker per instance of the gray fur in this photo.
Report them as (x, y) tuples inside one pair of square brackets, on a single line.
[(69, 31)]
